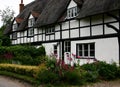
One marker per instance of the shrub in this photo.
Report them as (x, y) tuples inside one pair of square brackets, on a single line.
[(24, 59), (104, 70), (19, 69), (107, 71), (47, 76), (24, 54), (75, 77)]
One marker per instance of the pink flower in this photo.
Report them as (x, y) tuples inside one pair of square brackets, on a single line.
[(78, 57), (70, 59), (73, 55)]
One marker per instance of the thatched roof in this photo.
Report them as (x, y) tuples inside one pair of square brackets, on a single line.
[(92, 7), (52, 12), (35, 7), (8, 28)]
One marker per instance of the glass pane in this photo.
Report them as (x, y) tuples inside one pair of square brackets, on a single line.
[(80, 53), (80, 47), (85, 53), (86, 47), (92, 46), (92, 53)]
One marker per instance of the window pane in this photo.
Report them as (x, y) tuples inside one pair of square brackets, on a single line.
[(86, 47), (80, 47), (85, 53), (80, 53), (92, 53), (92, 46)]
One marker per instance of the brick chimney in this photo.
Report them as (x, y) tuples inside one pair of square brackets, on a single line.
[(21, 6)]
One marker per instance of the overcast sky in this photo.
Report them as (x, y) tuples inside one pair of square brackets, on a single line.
[(13, 4)]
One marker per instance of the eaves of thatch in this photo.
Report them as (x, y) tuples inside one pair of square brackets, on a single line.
[(93, 7), (8, 28), (52, 12), (35, 8)]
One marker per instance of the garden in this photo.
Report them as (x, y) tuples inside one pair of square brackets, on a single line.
[(31, 64)]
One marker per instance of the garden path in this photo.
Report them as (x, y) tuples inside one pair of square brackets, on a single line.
[(10, 82)]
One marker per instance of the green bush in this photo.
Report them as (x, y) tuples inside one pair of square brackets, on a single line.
[(24, 59), (25, 54), (47, 76), (74, 77), (19, 69), (105, 71)]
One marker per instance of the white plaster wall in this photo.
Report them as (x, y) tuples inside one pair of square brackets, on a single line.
[(49, 47), (72, 4), (105, 49)]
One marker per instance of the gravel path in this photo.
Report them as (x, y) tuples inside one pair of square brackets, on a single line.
[(10, 82)]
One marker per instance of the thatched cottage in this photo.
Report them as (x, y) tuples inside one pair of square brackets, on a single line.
[(85, 30)]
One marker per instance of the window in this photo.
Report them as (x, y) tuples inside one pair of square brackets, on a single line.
[(50, 30), (31, 22), (30, 32), (14, 36), (15, 27), (72, 12), (55, 49), (67, 46), (86, 50)]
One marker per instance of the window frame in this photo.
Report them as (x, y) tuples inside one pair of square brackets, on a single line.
[(31, 22), (67, 46), (14, 36), (89, 50), (30, 32), (55, 51), (15, 26), (50, 30), (72, 12)]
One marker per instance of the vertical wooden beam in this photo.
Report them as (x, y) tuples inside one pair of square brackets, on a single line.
[(103, 20), (119, 37), (90, 26)]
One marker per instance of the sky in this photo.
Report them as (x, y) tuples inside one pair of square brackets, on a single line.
[(13, 4)]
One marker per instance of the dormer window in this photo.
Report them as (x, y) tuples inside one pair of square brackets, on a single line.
[(30, 25), (30, 32), (72, 12), (50, 30), (31, 22), (15, 26)]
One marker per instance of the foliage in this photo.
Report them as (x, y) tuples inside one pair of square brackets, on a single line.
[(102, 70), (6, 15), (4, 40), (48, 77), (22, 70), (26, 55)]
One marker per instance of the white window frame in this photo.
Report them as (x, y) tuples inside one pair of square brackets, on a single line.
[(15, 26), (89, 50), (50, 30), (30, 32), (14, 35), (31, 22), (67, 46), (72, 12)]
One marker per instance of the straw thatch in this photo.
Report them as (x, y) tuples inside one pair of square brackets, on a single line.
[(92, 7), (52, 11)]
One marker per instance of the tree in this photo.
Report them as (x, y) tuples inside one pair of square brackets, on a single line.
[(4, 40), (6, 15)]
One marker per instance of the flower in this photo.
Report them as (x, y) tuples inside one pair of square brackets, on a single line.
[(78, 57)]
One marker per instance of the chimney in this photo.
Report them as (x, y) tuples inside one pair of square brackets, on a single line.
[(21, 6)]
